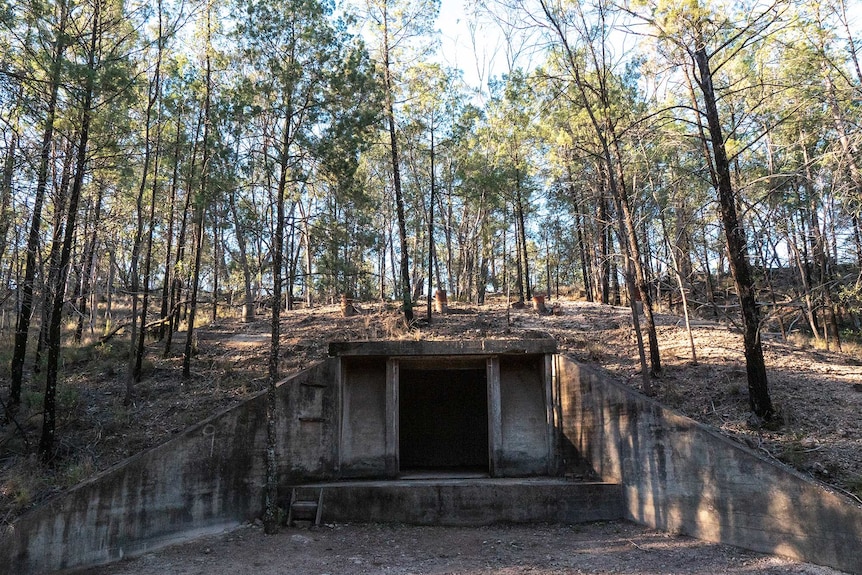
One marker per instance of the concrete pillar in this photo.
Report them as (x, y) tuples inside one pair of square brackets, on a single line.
[(550, 412), (495, 416), (391, 454)]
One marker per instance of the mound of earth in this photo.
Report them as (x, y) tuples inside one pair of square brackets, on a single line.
[(817, 392)]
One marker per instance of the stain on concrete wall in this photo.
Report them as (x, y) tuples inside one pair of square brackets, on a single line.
[(523, 417), (680, 476), (206, 479), (363, 434)]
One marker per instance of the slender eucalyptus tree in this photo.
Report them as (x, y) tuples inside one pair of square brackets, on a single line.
[(402, 29)]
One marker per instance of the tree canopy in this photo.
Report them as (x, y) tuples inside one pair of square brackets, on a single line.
[(251, 155)]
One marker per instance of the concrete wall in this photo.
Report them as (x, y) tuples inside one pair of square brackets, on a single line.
[(363, 433), (680, 476), (206, 479), (524, 449)]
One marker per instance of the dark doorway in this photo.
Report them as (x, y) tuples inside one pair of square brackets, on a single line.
[(443, 420)]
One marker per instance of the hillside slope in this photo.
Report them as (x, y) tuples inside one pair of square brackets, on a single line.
[(818, 393)]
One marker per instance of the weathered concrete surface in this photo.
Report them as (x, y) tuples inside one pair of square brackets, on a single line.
[(397, 348), (680, 476), (676, 474), (523, 418), (471, 502), (363, 432), (202, 481)]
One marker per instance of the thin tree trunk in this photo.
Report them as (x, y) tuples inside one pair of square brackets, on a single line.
[(804, 276), (406, 298), (88, 266), (431, 231), (522, 227), (270, 510), (177, 282), (199, 204), (25, 311), (519, 278), (216, 224), (830, 323), (579, 234), (675, 262), (164, 327), (46, 441), (137, 332), (248, 297), (758, 389), (6, 193), (605, 276), (54, 257), (857, 238)]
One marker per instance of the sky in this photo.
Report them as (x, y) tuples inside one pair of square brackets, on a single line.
[(456, 46)]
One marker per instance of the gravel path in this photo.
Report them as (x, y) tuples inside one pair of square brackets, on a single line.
[(617, 547)]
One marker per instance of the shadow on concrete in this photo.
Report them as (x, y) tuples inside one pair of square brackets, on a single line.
[(682, 477)]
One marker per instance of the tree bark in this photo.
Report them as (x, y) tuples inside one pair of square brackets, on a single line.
[(6, 192), (169, 233), (138, 335), (25, 312), (88, 267), (201, 199), (431, 230), (46, 441), (176, 282), (758, 389), (54, 257), (406, 296), (523, 232)]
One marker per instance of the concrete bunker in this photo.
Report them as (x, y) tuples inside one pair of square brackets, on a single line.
[(460, 410), (366, 425)]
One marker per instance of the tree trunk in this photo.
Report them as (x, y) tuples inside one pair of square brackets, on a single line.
[(519, 213), (216, 225), (604, 233), (88, 272), (830, 323), (633, 247), (270, 510), (201, 200), (431, 231), (138, 336), (22, 328), (248, 297), (169, 233), (406, 298), (675, 262), (54, 257), (519, 272), (46, 441), (758, 389), (579, 234), (6, 216)]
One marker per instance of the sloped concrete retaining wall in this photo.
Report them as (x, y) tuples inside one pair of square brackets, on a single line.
[(676, 475), (679, 476), (209, 478)]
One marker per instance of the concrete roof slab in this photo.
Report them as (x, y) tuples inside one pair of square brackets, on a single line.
[(389, 348)]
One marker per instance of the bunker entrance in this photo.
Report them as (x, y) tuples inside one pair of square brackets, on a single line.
[(443, 420)]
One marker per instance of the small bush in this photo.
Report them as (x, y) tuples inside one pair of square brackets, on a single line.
[(78, 471), (33, 400)]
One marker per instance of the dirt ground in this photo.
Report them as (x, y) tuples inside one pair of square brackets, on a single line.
[(818, 392), (597, 548)]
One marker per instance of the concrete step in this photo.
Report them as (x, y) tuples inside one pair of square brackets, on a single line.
[(471, 501)]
